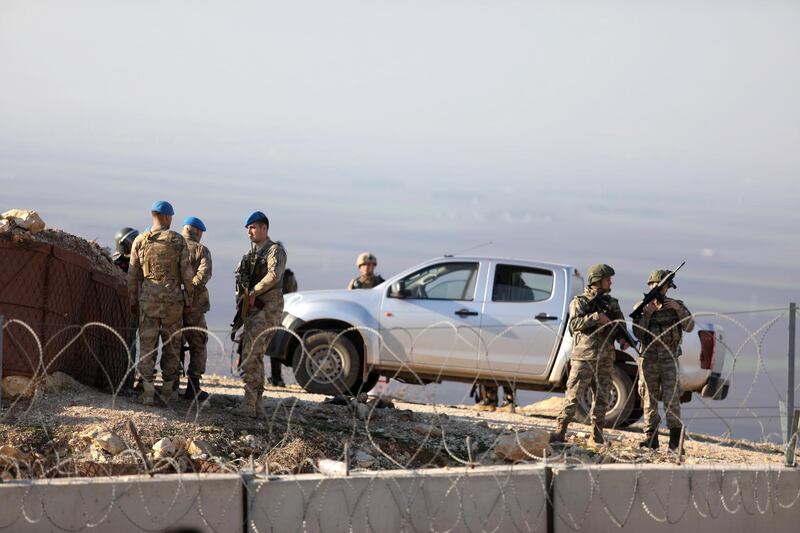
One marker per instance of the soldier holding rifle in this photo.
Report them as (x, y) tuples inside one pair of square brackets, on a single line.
[(659, 323), (595, 321)]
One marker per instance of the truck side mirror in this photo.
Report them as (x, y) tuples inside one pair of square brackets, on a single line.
[(398, 290)]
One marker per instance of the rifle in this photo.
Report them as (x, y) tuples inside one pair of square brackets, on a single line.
[(654, 293), (244, 285), (598, 304)]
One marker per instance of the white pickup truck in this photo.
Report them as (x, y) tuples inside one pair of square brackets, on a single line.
[(471, 319)]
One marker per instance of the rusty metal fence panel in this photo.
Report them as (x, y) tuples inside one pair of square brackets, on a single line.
[(57, 292)]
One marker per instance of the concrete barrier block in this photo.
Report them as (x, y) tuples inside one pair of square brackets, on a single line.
[(657, 498), (203, 502), (483, 499)]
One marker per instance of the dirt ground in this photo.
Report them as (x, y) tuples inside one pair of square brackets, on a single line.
[(300, 430)]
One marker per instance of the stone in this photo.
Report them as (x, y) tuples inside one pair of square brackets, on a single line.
[(251, 441), (98, 455), (110, 442), (199, 447), (60, 382), (164, 448), (25, 219), (330, 467), (523, 446), (364, 460), (426, 430), (363, 410), (549, 407), (18, 387), (339, 399)]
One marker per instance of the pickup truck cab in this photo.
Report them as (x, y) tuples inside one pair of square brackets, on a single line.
[(471, 319)]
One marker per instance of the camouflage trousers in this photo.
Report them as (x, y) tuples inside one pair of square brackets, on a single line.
[(659, 379), (583, 374), (197, 341), (259, 328), (163, 320)]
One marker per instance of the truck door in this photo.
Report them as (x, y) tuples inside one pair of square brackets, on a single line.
[(522, 319), (435, 322)]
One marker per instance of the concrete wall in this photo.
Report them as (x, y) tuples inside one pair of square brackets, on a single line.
[(483, 499), (207, 503), (651, 498), (656, 498)]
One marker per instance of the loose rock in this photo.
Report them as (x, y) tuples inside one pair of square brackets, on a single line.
[(521, 446)]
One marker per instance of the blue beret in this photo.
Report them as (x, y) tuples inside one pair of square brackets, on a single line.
[(257, 216), (194, 222), (162, 207)]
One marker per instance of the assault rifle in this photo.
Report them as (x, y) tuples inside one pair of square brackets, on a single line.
[(654, 293), (244, 284), (599, 305)]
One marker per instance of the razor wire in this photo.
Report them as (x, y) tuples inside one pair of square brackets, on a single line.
[(348, 435)]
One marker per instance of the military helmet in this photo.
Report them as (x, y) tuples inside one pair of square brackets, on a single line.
[(123, 240), (657, 275), (365, 258), (598, 272)]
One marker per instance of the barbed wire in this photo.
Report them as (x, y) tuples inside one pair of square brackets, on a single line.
[(294, 466)]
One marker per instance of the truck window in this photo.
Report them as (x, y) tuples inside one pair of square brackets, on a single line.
[(514, 283), (445, 281)]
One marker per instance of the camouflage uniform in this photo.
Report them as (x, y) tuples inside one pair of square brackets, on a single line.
[(264, 315), (159, 264), (593, 355), (659, 377), (200, 258), (367, 281)]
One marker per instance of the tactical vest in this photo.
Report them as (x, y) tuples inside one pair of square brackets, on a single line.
[(160, 258), (244, 277), (373, 281)]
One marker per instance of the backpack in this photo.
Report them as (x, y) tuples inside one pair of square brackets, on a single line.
[(289, 281)]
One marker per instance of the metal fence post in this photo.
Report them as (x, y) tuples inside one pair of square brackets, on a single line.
[(2, 323), (790, 377)]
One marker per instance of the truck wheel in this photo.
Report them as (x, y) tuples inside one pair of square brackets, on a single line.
[(620, 405), (330, 364)]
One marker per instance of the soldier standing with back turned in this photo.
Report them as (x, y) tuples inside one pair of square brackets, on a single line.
[(592, 359), (660, 329), (197, 339), (159, 265), (258, 284)]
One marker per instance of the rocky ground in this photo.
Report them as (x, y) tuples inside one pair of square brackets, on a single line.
[(67, 429)]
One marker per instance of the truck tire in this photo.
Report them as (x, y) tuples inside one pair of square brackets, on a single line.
[(365, 385), (329, 365), (621, 404)]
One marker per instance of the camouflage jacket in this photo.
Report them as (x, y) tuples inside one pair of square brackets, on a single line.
[(662, 331), (592, 341), (268, 266), (159, 264), (365, 282), (200, 258)]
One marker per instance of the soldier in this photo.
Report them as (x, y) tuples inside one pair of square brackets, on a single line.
[(592, 358), (159, 264), (258, 284), (200, 258), (123, 241), (366, 263), (660, 329)]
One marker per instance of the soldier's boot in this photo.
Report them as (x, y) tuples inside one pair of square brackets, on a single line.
[(650, 440), (166, 392), (251, 406), (560, 434), (193, 390), (486, 405), (674, 438), (148, 393), (597, 440)]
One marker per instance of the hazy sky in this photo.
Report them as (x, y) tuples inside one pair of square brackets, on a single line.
[(635, 133)]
